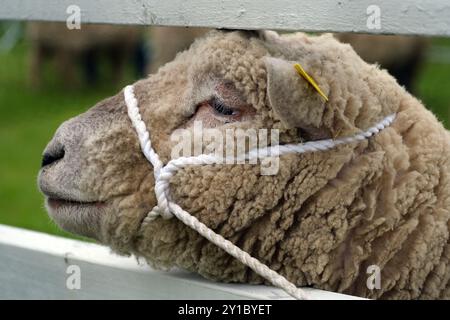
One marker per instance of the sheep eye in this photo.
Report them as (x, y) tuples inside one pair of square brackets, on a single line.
[(222, 109)]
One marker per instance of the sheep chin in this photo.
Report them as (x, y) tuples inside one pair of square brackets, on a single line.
[(82, 218)]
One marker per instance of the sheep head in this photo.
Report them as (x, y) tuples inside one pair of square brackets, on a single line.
[(97, 182)]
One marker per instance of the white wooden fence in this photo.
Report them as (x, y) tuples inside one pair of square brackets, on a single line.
[(36, 266), (428, 17)]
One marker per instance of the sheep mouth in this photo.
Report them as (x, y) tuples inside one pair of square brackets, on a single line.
[(56, 203)]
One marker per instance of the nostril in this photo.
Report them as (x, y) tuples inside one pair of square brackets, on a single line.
[(49, 158)]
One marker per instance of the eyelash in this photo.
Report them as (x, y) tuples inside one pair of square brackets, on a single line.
[(221, 108)]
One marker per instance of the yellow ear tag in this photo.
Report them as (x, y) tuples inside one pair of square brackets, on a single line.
[(308, 78)]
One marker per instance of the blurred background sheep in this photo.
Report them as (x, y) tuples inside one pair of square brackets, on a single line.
[(30, 117), (167, 42), (71, 49)]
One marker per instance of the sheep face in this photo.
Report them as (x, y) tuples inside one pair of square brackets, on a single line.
[(98, 184), (298, 221)]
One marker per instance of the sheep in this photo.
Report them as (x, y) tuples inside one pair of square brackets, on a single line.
[(69, 47), (322, 220), (402, 56)]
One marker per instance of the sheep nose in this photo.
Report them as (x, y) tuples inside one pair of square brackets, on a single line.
[(51, 157)]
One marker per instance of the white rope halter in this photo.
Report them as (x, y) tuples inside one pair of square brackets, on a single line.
[(167, 209)]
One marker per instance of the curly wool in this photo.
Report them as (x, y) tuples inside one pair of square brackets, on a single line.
[(326, 216)]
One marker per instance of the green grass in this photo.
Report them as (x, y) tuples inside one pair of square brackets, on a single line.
[(433, 87), (29, 118)]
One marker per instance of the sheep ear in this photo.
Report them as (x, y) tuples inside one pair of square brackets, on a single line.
[(292, 99)]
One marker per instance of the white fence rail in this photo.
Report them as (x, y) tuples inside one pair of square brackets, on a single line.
[(36, 266), (426, 17)]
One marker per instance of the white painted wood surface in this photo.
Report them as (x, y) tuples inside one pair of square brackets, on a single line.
[(427, 17), (33, 266)]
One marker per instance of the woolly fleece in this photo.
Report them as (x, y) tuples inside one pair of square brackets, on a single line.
[(326, 216)]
